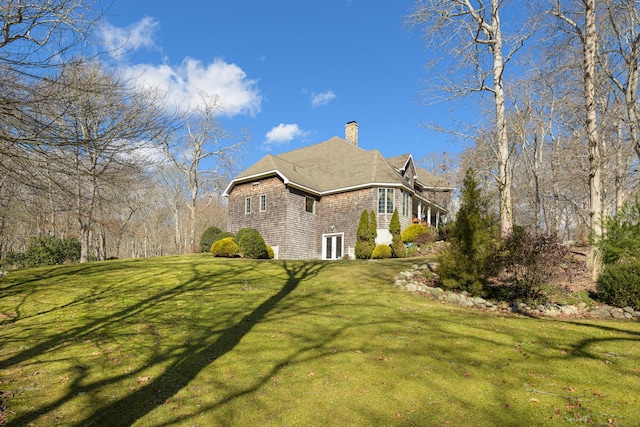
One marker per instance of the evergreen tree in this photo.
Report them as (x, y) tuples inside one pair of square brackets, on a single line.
[(373, 228), (473, 240), (363, 227), (364, 247), (397, 247)]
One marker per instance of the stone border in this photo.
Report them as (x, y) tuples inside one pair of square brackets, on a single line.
[(406, 280)]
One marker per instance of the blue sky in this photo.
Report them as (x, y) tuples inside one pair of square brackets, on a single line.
[(291, 72)]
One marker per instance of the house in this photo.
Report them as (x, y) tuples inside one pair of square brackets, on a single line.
[(307, 203)]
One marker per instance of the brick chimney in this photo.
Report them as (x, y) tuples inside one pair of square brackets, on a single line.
[(351, 132)]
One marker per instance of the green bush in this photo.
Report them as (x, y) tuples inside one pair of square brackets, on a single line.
[(251, 244), (208, 238), (270, 252), (619, 285), (15, 260), (381, 252), (398, 250), (621, 239), (52, 251), (414, 230), (226, 248), (363, 250)]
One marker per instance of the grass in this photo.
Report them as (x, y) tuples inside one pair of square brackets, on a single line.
[(194, 340)]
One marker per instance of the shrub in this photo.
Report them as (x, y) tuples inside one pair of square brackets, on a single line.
[(52, 251), (398, 249), (251, 244), (381, 252), (413, 231), (226, 248), (363, 250), (424, 239), (270, 253), (619, 285), (208, 238), (531, 259), (621, 239), (16, 260)]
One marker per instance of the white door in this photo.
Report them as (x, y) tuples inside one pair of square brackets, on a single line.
[(332, 246)]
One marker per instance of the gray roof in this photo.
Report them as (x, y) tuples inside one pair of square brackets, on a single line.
[(331, 166)]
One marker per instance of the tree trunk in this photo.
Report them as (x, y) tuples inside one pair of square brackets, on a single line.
[(595, 164), (504, 170)]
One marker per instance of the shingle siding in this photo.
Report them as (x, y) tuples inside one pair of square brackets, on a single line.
[(301, 228), (342, 211), (272, 222)]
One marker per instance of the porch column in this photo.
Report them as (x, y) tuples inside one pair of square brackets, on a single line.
[(429, 216), (437, 219)]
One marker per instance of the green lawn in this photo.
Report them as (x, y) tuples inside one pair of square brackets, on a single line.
[(194, 340)]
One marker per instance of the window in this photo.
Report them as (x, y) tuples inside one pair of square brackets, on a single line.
[(405, 204), (385, 200), (263, 203), (310, 205), (247, 205)]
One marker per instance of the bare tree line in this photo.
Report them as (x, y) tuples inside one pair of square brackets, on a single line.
[(85, 152), (568, 108)]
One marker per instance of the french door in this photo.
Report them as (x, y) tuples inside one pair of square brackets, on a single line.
[(332, 247)]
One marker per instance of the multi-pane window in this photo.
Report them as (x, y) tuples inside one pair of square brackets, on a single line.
[(310, 205), (385, 200), (406, 199), (263, 202), (247, 205)]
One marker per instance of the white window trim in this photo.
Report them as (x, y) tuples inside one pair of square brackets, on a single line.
[(393, 200), (263, 197), (247, 205)]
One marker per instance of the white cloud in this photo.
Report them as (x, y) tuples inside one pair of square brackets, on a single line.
[(184, 84), (283, 133), (119, 40), (320, 99)]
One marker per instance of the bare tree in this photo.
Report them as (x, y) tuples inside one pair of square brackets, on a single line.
[(204, 156), (587, 35), (470, 30), (99, 125), (619, 55), (36, 38)]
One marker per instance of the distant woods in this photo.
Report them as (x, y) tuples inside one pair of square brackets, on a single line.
[(87, 153)]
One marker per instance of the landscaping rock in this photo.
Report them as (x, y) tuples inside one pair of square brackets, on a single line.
[(413, 280)]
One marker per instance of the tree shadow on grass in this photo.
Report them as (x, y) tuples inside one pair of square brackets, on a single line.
[(101, 324), (192, 359)]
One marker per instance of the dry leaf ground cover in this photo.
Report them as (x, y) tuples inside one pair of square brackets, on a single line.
[(194, 340)]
